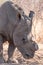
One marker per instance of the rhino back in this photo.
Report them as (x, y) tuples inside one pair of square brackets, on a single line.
[(8, 19)]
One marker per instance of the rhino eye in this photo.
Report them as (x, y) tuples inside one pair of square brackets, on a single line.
[(23, 40), (19, 16)]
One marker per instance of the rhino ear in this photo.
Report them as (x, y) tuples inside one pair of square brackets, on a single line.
[(31, 14)]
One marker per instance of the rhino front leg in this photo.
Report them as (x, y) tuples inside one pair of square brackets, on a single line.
[(3, 49), (11, 49), (8, 49)]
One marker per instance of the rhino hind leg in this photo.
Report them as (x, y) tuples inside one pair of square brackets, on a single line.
[(1, 49), (1, 44)]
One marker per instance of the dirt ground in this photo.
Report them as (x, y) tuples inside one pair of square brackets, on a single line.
[(37, 31)]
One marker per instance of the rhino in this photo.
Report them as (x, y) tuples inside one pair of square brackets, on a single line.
[(15, 27)]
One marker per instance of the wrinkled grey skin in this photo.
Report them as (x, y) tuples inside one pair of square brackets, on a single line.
[(15, 28)]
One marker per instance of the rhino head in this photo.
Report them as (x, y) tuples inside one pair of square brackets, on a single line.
[(22, 36)]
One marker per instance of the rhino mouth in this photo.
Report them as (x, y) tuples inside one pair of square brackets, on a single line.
[(28, 56)]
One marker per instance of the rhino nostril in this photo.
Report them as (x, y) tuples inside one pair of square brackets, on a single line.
[(27, 55)]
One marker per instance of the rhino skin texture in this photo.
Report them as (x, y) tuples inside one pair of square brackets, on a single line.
[(15, 27)]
